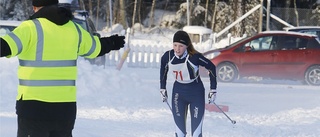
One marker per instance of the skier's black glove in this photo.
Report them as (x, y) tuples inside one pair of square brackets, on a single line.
[(164, 95), (212, 95)]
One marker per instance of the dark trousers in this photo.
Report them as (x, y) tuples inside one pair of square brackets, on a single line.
[(43, 128), (184, 96)]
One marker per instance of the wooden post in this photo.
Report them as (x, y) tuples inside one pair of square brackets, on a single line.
[(261, 15)]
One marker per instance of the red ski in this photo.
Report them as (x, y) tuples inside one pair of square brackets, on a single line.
[(214, 108)]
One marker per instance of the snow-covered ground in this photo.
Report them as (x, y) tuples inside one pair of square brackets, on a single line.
[(127, 103)]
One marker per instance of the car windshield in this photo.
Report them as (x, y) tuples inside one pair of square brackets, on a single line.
[(314, 32)]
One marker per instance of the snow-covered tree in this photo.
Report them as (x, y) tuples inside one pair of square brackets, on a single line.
[(222, 16), (237, 6), (6, 7), (251, 23), (316, 15), (197, 16), (15, 9)]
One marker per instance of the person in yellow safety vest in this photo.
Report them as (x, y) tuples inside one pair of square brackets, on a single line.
[(47, 46)]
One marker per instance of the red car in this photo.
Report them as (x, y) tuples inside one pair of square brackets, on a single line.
[(270, 54)]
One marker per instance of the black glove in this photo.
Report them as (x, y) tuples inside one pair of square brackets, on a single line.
[(113, 42), (118, 41)]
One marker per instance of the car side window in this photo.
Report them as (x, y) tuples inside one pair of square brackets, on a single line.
[(262, 43), (313, 44), (301, 43), (291, 43), (284, 42), (318, 34)]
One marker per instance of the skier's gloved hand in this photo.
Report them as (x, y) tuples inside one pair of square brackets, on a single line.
[(164, 95), (212, 95), (118, 41)]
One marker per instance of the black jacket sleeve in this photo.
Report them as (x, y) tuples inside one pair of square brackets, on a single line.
[(203, 61), (4, 48), (164, 68), (106, 45)]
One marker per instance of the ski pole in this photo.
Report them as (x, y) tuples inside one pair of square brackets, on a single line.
[(232, 121), (167, 102), (168, 105)]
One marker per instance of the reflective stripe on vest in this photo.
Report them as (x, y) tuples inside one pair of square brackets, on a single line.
[(93, 47), (60, 63), (47, 82), (80, 36), (39, 29), (51, 63), (17, 41)]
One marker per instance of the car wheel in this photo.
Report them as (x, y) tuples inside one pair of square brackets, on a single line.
[(226, 72), (312, 75)]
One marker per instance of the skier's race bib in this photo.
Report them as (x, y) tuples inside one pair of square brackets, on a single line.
[(180, 71)]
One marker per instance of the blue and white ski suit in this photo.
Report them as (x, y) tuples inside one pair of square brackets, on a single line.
[(188, 89)]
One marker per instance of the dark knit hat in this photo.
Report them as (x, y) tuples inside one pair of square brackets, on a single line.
[(40, 3), (182, 37)]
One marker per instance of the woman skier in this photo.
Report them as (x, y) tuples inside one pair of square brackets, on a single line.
[(183, 63)]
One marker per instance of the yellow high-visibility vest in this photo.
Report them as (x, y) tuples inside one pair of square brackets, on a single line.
[(47, 56)]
